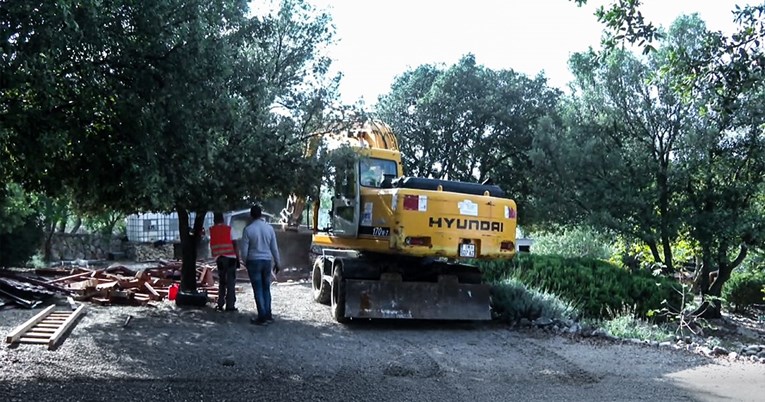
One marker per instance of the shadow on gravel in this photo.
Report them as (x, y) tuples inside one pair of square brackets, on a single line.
[(170, 342), (361, 325), (169, 353)]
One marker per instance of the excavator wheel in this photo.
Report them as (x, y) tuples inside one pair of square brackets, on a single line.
[(322, 290), (338, 294)]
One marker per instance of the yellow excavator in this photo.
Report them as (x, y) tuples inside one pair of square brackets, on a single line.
[(390, 246)]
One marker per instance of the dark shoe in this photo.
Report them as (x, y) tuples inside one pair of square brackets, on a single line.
[(270, 318), (228, 309), (218, 308), (257, 321)]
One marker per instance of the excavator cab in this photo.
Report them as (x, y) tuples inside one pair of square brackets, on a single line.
[(346, 181), (345, 200)]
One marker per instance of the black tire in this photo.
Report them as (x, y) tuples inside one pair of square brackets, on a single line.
[(322, 290), (338, 295)]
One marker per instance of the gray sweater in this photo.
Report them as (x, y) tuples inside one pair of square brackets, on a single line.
[(259, 242)]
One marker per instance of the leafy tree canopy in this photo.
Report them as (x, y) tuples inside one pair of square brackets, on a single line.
[(639, 157), (161, 105), (467, 122)]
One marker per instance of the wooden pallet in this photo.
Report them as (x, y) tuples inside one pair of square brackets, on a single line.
[(47, 327)]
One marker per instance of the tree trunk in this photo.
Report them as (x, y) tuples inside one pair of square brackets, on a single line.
[(666, 244), (62, 223), (711, 283), (77, 224), (654, 251), (189, 240), (50, 229)]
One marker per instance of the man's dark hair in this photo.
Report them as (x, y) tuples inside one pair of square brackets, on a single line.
[(256, 212), (217, 217)]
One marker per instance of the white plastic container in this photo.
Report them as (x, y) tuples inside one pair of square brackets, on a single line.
[(151, 227)]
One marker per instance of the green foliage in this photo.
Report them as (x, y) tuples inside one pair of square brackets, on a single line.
[(468, 122), (574, 242), (626, 326), (162, 105), (652, 153), (513, 300), (37, 261), (594, 286), (155, 105), (106, 223), (685, 318), (744, 289), (606, 164), (15, 207), (755, 261), (20, 231), (19, 244)]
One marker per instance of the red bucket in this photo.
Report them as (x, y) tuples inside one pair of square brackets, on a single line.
[(172, 292)]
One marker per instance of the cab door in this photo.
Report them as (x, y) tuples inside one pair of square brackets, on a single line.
[(346, 200)]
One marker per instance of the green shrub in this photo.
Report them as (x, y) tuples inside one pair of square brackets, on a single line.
[(574, 242), (19, 244), (626, 326), (593, 285), (512, 300), (744, 289), (495, 271)]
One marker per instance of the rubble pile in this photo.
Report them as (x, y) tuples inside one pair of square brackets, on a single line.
[(116, 284)]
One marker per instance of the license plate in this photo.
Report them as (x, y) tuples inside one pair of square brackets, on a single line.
[(467, 250)]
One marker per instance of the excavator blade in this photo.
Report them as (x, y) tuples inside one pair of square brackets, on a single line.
[(443, 300)]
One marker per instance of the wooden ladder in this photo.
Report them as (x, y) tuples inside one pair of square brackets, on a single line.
[(46, 327)]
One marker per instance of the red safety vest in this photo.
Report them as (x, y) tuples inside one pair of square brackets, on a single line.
[(220, 241)]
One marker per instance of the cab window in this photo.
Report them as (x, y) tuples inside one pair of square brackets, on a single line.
[(372, 171)]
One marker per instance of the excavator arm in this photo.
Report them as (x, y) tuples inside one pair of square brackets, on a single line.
[(369, 135)]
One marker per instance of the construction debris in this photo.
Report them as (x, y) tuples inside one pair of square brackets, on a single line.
[(22, 293), (116, 284)]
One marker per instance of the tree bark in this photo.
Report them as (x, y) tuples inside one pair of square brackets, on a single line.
[(50, 229), (654, 251), (77, 224), (189, 240), (711, 290), (62, 223), (666, 244)]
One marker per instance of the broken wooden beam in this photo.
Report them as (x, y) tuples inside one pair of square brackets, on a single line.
[(20, 300), (70, 277), (152, 291)]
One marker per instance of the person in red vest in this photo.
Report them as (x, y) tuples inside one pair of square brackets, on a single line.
[(223, 250)]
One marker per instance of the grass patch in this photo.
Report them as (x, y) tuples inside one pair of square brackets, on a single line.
[(624, 325)]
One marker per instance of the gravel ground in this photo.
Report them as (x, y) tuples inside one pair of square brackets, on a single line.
[(168, 353)]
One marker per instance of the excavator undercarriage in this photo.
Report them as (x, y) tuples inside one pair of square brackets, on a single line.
[(381, 286)]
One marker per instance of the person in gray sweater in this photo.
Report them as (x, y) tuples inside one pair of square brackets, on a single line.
[(260, 251)]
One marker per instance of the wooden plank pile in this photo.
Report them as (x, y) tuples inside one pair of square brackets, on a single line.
[(118, 284), (23, 292)]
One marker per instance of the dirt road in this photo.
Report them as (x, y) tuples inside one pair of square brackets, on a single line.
[(167, 353)]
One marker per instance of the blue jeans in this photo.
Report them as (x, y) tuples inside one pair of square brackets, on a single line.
[(260, 277)]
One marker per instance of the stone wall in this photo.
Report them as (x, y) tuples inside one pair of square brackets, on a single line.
[(150, 251), (69, 247), (66, 246)]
